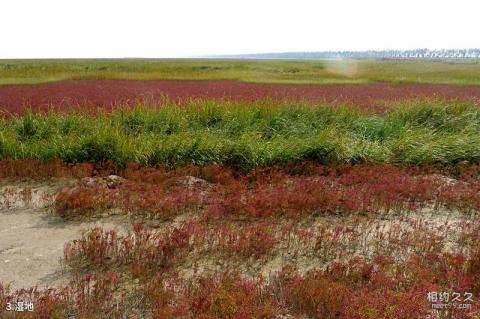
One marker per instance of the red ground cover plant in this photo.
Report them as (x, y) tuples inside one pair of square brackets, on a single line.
[(347, 188), (371, 272), (319, 190), (65, 96), (352, 289), (253, 240), (87, 297), (100, 249), (83, 201), (143, 200), (152, 251), (361, 267)]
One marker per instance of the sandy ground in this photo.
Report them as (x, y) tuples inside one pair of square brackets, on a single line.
[(32, 241)]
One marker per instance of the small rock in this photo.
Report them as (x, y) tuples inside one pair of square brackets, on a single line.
[(113, 181), (444, 179), (89, 181), (191, 182)]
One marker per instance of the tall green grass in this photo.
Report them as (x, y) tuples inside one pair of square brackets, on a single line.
[(246, 136)]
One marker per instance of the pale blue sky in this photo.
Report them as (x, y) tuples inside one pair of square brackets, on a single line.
[(140, 28)]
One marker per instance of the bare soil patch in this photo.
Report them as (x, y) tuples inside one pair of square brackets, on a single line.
[(32, 239)]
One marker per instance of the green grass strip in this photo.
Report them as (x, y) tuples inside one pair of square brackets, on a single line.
[(246, 136)]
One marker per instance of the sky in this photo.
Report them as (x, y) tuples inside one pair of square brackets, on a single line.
[(187, 28)]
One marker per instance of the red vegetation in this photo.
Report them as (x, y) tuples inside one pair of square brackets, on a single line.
[(107, 93), (83, 201), (88, 297), (290, 191), (319, 190), (362, 267), (151, 251), (355, 288)]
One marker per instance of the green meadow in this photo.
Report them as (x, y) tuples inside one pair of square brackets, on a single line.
[(268, 71)]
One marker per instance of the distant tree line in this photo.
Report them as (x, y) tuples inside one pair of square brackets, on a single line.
[(378, 54)]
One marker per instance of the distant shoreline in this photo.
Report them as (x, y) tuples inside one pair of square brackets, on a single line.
[(376, 54)]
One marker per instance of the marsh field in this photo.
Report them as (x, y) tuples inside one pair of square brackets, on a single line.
[(240, 189)]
